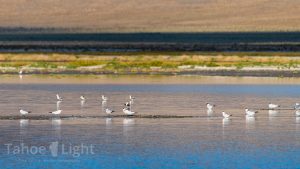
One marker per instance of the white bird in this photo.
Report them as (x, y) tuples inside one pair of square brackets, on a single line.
[(24, 112), (109, 111), (104, 98), (273, 106), (210, 106), (131, 97), (58, 105), (250, 112), (128, 112), (127, 104), (21, 71), (225, 115), (82, 98), (59, 98), (56, 112), (297, 113), (297, 106)]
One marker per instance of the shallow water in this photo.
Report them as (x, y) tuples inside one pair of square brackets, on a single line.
[(270, 140)]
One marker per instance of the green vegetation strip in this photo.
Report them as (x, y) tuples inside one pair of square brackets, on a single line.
[(145, 62)]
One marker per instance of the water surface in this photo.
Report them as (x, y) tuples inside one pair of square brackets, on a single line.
[(269, 140)]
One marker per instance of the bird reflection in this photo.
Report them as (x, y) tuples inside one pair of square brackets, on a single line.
[(210, 112), (56, 123), (250, 121), (24, 123), (82, 102), (128, 122), (273, 113), (56, 126), (108, 122), (226, 122), (128, 125), (298, 120)]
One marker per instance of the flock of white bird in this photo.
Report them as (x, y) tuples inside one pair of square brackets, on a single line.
[(126, 110), (252, 113)]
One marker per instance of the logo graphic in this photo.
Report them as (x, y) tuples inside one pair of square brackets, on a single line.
[(54, 148)]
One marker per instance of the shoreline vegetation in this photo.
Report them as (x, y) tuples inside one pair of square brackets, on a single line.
[(276, 64)]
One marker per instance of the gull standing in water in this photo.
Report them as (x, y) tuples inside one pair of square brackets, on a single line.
[(24, 112), (58, 105), (56, 112), (225, 115), (297, 113), (104, 103), (297, 106), (82, 98), (127, 104), (82, 101), (127, 111), (210, 106), (131, 97), (273, 106), (59, 98), (104, 98), (109, 111), (250, 112)]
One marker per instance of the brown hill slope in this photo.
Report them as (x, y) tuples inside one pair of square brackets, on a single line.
[(154, 15)]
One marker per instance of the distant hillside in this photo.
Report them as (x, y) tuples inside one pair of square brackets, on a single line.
[(153, 15)]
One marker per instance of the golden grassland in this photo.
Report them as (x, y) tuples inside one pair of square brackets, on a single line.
[(147, 62), (154, 15)]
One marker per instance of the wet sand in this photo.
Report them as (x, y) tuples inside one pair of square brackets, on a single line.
[(234, 72), (142, 79)]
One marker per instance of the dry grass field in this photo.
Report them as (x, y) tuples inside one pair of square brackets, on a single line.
[(154, 15)]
